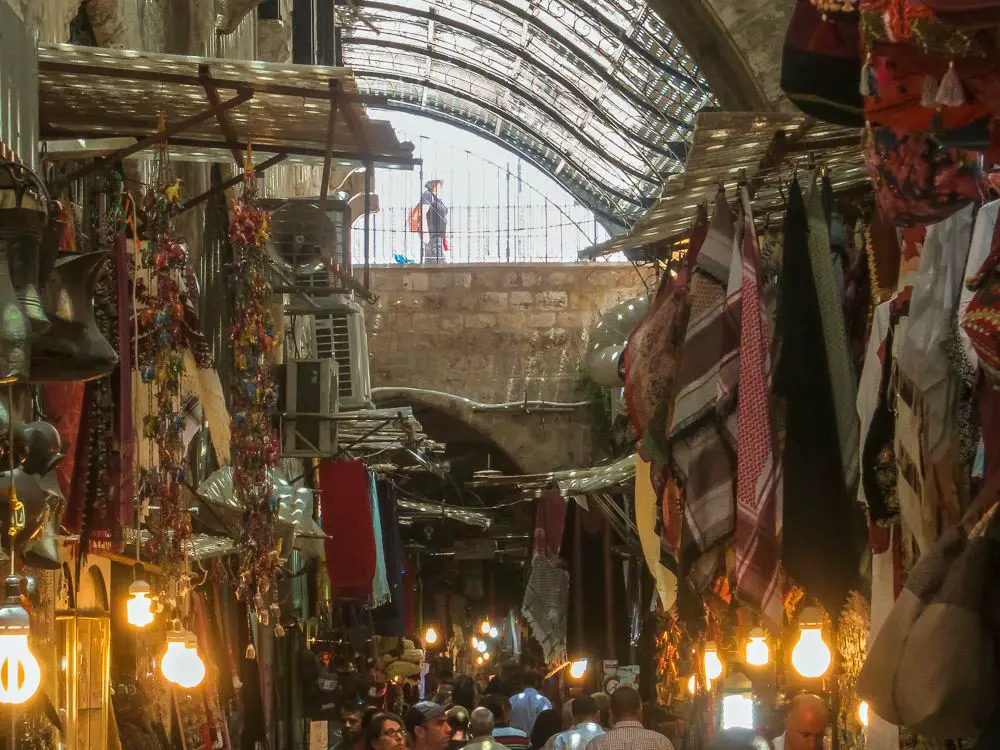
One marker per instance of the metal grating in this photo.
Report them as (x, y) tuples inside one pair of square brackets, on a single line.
[(333, 341), (597, 89)]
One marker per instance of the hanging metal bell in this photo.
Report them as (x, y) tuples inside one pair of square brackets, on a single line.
[(43, 508), (24, 217), (73, 348)]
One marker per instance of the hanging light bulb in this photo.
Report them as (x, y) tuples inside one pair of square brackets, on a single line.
[(484, 627), (692, 684), (430, 636), (181, 664), (20, 674), (485, 656), (494, 633), (811, 656), (713, 664), (479, 661), (578, 669), (864, 713), (757, 653), (481, 647), (475, 643), (139, 606)]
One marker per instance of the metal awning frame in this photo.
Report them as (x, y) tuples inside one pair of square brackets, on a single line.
[(218, 109)]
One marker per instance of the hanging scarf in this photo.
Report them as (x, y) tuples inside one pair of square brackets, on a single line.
[(347, 521), (758, 477), (390, 619), (380, 582), (817, 535), (842, 377), (546, 605), (701, 452), (550, 520)]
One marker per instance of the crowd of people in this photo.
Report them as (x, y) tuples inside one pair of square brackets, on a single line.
[(459, 718)]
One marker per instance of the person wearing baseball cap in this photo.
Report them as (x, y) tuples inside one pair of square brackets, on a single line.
[(428, 726)]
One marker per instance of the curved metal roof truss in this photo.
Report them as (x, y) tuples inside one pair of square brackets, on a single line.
[(597, 92)]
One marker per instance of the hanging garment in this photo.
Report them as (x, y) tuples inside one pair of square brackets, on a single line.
[(390, 619), (550, 522), (380, 582), (347, 521), (652, 355), (881, 734), (842, 377), (979, 251), (819, 545), (921, 355), (877, 488), (758, 478), (702, 454), (546, 605), (646, 523), (916, 181), (828, 42)]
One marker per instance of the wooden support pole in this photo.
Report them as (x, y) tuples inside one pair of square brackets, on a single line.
[(212, 94), (331, 123), (232, 182)]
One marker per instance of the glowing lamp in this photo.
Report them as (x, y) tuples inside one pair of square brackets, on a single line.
[(479, 661), (484, 627), (757, 653), (485, 656), (578, 669), (811, 656), (430, 636), (494, 633), (181, 664), (20, 674), (481, 647), (475, 643), (139, 605), (864, 713), (713, 664), (692, 684)]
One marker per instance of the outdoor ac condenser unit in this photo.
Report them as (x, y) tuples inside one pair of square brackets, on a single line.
[(310, 397), (339, 334)]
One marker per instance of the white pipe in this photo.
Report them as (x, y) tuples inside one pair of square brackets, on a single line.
[(478, 406)]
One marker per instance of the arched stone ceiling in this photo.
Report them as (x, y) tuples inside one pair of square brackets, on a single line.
[(601, 94)]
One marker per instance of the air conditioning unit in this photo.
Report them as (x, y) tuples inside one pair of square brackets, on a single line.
[(309, 394), (339, 334)]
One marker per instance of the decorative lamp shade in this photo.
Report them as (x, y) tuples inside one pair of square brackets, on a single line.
[(811, 656), (757, 653), (20, 674), (139, 605)]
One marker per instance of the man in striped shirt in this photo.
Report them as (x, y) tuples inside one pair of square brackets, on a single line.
[(504, 733), (628, 732)]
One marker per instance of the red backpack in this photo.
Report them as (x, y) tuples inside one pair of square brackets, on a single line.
[(415, 219)]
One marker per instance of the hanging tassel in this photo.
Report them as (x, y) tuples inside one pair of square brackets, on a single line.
[(869, 79), (950, 93), (251, 652), (928, 96)]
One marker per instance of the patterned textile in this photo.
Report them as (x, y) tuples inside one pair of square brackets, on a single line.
[(877, 489), (758, 475), (652, 355), (981, 321), (843, 380), (630, 735), (916, 181), (389, 619), (347, 521), (546, 605), (702, 450)]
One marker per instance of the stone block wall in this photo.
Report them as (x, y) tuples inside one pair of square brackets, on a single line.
[(494, 334)]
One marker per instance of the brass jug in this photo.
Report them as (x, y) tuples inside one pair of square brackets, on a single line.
[(73, 348)]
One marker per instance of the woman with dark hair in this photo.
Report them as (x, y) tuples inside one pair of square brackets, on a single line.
[(547, 725), (385, 732), (464, 694)]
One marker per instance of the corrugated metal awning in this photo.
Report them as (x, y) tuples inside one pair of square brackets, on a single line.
[(89, 92), (729, 145)]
